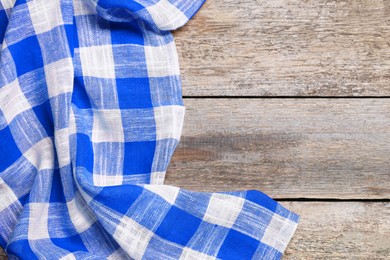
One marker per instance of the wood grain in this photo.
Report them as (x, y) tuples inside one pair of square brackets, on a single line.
[(342, 230), (3, 255), (287, 47), (288, 148)]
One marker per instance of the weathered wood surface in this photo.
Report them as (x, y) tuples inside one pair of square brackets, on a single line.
[(3, 255), (287, 47), (343, 230), (293, 148), (288, 148)]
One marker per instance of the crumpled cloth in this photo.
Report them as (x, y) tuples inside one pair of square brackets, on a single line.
[(90, 115)]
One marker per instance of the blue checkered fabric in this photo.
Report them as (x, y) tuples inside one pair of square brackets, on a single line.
[(90, 115)]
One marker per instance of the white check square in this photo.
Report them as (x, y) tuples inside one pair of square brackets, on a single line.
[(45, 15), (162, 60), (279, 232), (41, 154), (8, 197), (12, 101), (62, 146), (166, 16), (132, 237), (157, 178), (38, 221), (59, 77), (102, 180), (97, 61), (168, 193), (82, 7), (189, 254), (80, 214), (169, 121), (7, 4), (68, 257), (223, 209), (107, 126)]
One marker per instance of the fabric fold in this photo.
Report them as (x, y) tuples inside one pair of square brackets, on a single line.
[(91, 112), (160, 15)]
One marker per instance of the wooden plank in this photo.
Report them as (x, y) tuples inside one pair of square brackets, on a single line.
[(3, 255), (287, 47), (342, 230), (287, 148)]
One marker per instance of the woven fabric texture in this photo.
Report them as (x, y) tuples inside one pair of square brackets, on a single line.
[(91, 112)]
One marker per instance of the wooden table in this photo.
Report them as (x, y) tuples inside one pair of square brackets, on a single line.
[(292, 97)]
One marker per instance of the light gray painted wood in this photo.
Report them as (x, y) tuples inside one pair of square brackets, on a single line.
[(287, 47), (342, 230), (288, 148)]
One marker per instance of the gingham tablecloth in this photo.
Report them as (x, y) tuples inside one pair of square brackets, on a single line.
[(90, 114)]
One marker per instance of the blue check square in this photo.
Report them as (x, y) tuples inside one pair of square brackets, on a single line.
[(178, 226), (138, 157), (134, 93), (237, 246), (8, 149), (122, 32), (27, 55)]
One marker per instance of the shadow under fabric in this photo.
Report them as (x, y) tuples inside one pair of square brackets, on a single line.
[(90, 115)]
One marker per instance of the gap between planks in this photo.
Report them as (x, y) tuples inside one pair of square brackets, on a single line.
[(315, 149)]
